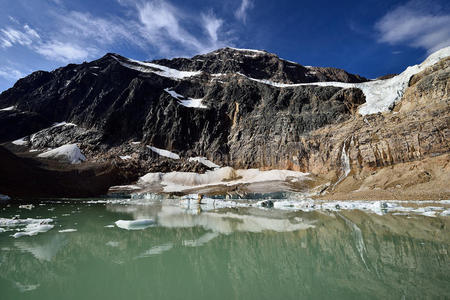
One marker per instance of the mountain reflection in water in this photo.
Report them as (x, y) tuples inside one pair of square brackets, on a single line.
[(237, 253)]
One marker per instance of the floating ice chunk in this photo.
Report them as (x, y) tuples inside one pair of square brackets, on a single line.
[(71, 152), (2, 230), (205, 161), (135, 224), (125, 157), (165, 153), (9, 108), (27, 206), (20, 142), (109, 226), (33, 229), (160, 70), (4, 222), (67, 230)]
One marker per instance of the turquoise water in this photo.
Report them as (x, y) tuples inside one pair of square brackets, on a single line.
[(224, 253)]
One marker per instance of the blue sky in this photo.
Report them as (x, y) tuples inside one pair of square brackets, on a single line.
[(370, 38)]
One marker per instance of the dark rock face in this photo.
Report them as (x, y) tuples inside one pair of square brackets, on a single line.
[(26, 177), (116, 101), (259, 65)]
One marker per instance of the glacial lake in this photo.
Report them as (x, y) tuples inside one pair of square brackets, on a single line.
[(223, 250)]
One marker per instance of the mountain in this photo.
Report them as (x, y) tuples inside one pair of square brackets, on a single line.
[(231, 107)]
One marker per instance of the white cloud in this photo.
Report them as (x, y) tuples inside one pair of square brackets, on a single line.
[(103, 31), (416, 25), (153, 25), (164, 26), (25, 37), (241, 12), (212, 26), (10, 73), (64, 52)]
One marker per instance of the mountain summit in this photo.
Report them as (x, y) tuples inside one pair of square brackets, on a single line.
[(231, 107)]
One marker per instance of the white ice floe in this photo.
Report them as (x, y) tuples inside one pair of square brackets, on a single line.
[(165, 153), (109, 226), (9, 108), (160, 70), (2, 230), (179, 181), (187, 102), (33, 229), (5, 222), (67, 230), (135, 224), (20, 142), (381, 95), (27, 206), (204, 161), (125, 157), (70, 152)]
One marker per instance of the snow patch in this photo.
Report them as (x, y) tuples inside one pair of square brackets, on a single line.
[(9, 108), (179, 181), (71, 152), (125, 157), (147, 67), (64, 123), (248, 50), (381, 95), (204, 161), (20, 142), (188, 102), (165, 153)]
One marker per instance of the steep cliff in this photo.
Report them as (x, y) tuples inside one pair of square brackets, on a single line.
[(235, 107)]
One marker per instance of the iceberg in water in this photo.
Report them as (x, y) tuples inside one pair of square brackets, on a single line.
[(135, 224)]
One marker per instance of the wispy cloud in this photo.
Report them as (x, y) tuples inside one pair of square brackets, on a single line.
[(64, 52), (241, 12), (23, 36), (155, 26), (163, 25), (10, 73), (417, 25)]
